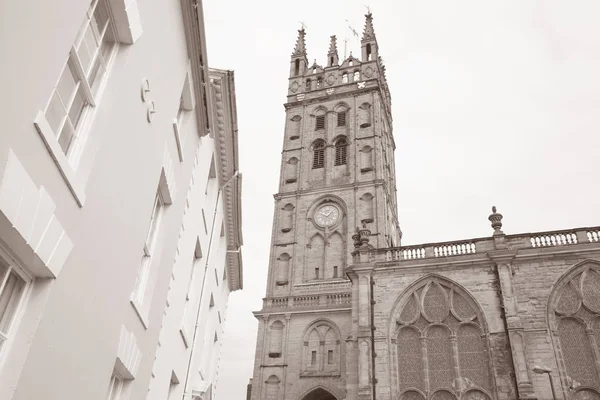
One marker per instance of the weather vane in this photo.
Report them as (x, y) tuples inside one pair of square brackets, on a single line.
[(368, 9), (346, 39), (303, 24)]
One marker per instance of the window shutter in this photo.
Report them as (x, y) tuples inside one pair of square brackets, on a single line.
[(341, 147), (319, 158), (320, 122), (341, 118)]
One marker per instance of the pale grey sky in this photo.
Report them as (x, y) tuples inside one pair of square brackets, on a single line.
[(494, 103)]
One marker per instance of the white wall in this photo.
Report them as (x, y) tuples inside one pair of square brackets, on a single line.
[(70, 326)]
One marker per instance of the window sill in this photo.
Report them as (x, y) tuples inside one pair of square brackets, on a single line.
[(178, 139), (184, 337), (310, 374), (59, 157), (140, 313)]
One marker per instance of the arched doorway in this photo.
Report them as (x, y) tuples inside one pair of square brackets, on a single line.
[(319, 394)]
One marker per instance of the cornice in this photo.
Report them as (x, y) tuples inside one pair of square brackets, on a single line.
[(193, 23), (230, 180), (267, 312), (334, 96), (354, 185)]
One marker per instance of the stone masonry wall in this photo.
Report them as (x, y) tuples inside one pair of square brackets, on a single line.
[(534, 281), (478, 280)]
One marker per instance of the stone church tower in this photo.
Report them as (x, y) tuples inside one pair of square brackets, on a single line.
[(351, 314), (337, 174)]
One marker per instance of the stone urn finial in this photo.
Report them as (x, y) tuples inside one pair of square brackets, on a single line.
[(356, 238), (496, 220), (364, 235)]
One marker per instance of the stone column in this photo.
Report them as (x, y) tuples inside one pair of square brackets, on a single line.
[(503, 257), (360, 274), (287, 329), (262, 388), (515, 331)]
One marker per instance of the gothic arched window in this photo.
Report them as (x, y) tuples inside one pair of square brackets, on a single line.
[(297, 67), (364, 115), (341, 151), (283, 267), (272, 388), (308, 84), (319, 83), (366, 159), (574, 317), (318, 154), (344, 78), (291, 170), (441, 346), (294, 127), (321, 350), (287, 218), (369, 55), (356, 76), (276, 339), (366, 209)]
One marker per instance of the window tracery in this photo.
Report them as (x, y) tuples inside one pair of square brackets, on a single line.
[(441, 345), (321, 350), (575, 325)]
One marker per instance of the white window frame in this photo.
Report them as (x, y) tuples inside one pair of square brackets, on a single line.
[(8, 336), (190, 296), (186, 105), (139, 295), (117, 383), (67, 162)]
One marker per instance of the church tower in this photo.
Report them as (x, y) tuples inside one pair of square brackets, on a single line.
[(337, 176)]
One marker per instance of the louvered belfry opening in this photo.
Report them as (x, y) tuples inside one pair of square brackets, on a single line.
[(341, 118), (428, 362), (320, 122), (318, 154), (341, 151)]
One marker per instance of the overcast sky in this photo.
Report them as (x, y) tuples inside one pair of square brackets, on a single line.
[(494, 103)]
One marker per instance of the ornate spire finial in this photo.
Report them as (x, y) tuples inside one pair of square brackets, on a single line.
[(300, 49), (333, 45), (369, 32), (496, 220)]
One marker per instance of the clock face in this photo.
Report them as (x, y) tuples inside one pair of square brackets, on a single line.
[(327, 215)]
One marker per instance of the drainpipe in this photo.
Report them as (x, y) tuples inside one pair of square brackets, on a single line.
[(186, 391), (373, 355)]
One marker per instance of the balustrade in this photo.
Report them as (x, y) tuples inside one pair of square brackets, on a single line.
[(454, 249), (554, 239), (482, 245)]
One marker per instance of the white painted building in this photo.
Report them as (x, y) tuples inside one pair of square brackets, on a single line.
[(120, 217)]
